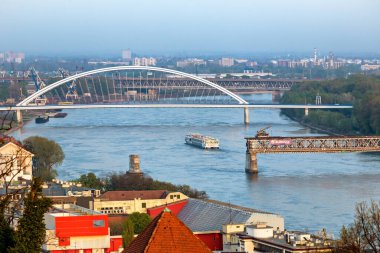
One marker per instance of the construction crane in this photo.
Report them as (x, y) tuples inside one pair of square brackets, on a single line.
[(72, 92), (38, 84), (262, 132)]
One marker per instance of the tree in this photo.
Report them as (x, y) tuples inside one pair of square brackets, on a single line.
[(47, 155), (140, 221), (126, 182), (90, 180), (364, 234), (6, 235), (31, 231), (128, 232)]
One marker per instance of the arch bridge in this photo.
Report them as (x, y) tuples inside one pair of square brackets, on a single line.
[(126, 87), (109, 85)]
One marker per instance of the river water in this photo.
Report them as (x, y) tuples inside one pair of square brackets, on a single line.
[(311, 191)]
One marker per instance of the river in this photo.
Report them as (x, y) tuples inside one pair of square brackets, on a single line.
[(311, 191)]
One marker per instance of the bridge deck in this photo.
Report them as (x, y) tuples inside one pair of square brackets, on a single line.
[(166, 105), (326, 144)]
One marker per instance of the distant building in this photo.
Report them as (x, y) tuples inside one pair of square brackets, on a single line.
[(241, 60), (166, 233), (126, 202), (253, 64), (190, 62), (367, 67), (226, 62), (126, 55), (144, 61), (12, 57)]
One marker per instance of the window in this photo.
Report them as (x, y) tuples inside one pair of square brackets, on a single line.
[(143, 205), (171, 196), (178, 196), (98, 223)]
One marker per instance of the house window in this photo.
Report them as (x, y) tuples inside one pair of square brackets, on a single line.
[(178, 196), (171, 196), (98, 223), (143, 205)]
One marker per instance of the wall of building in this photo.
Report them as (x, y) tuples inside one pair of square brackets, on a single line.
[(69, 231), (213, 240), (273, 220), (136, 205), (116, 242), (18, 159)]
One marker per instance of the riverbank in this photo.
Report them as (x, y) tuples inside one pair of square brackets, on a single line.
[(321, 129), (27, 117)]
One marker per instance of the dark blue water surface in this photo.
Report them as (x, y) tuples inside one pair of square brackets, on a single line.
[(311, 191)]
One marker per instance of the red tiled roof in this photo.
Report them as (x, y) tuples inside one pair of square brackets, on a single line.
[(130, 195), (5, 139), (166, 233), (174, 207)]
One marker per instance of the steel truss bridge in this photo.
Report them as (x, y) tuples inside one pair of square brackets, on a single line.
[(321, 144)]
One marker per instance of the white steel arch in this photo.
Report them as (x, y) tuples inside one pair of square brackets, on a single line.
[(39, 93)]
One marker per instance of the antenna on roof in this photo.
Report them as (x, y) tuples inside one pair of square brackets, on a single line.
[(229, 205)]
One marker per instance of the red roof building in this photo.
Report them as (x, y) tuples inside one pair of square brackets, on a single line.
[(166, 233)]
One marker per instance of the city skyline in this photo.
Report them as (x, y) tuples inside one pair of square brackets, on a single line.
[(187, 28)]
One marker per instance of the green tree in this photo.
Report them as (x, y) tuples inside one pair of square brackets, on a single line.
[(47, 155), (6, 235), (140, 221), (128, 232), (125, 182), (90, 180), (30, 233)]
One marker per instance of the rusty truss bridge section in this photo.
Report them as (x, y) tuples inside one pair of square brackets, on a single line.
[(319, 144), (236, 85)]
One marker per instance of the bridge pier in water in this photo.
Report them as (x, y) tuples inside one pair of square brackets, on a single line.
[(276, 96), (306, 111), (246, 115), (251, 163), (19, 116)]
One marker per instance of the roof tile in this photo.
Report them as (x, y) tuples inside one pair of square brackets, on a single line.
[(166, 233)]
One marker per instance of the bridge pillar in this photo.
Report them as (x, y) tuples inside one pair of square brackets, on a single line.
[(251, 163), (246, 115), (19, 116), (306, 111), (276, 96)]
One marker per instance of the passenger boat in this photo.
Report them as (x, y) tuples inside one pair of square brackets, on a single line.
[(56, 114), (202, 141), (42, 119), (60, 115)]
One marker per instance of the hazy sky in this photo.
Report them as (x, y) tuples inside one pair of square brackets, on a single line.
[(85, 27)]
